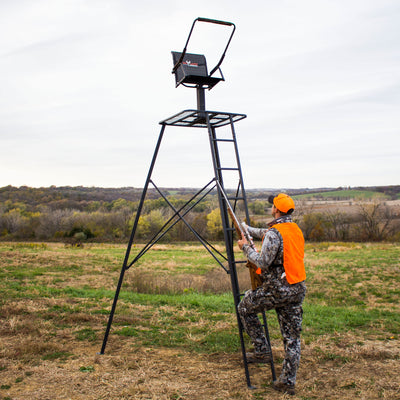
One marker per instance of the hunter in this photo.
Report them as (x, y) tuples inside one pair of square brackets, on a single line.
[(281, 265)]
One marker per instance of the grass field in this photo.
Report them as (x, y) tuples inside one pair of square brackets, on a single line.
[(175, 335), (352, 194)]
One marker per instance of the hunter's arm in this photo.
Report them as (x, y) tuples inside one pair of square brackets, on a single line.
[(269, 251), (256, 233)]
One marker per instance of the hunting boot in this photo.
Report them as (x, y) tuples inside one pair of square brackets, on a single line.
[(284, 388)]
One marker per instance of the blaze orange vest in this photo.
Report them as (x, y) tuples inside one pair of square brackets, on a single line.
[(293, 251)]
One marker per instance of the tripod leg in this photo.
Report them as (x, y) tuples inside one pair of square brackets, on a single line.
[(245, 363), (269, 344), (128, 250), (110, 318)]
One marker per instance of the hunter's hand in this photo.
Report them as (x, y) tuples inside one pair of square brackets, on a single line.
[(242, 242)]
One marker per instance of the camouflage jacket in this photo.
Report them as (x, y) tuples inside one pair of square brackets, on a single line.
[(270, 257)]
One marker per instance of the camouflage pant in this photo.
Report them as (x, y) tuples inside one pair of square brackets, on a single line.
[(287, 301)]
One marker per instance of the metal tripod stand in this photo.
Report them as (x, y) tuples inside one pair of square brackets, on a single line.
[(210, 120)]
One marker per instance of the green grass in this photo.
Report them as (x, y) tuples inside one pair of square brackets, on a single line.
[(177, 259), (352, 194), (351, 288), (364, 276), (320, 319)]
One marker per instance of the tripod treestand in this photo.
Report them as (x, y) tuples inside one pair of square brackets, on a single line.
[(191, 70)]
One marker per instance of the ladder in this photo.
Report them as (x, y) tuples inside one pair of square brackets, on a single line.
[(210, 120), (237, 198)]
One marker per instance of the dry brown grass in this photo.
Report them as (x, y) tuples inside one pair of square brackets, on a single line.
[(214, 281), (42, 356), (36, 365), (126, 372)]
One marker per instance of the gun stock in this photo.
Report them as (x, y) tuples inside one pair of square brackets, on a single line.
[(255, 278), (235, 222)]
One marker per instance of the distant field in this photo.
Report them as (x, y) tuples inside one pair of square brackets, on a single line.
[(345, 195), (175, 334)]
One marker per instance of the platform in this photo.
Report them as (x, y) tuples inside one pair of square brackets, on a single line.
[(197, 118)]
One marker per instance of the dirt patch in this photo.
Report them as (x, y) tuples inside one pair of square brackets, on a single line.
[(346, 369)]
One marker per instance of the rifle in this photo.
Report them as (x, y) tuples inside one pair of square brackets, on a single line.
[(241, 230)]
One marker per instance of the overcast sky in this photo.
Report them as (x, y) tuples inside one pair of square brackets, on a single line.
[(85, 83)]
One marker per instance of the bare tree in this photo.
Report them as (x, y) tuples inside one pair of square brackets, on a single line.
[(52, 221), (375, 222), (13, 221), (338, 225)]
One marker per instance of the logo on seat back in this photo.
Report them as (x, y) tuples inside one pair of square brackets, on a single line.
[(190, 64)]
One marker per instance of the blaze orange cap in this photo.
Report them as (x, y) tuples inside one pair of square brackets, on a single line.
[(283, 203)]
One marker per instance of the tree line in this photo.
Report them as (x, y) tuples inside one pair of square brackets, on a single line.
[(95, 214)]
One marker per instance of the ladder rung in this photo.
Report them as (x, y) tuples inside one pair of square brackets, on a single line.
[(223, 140), (228, 169)]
